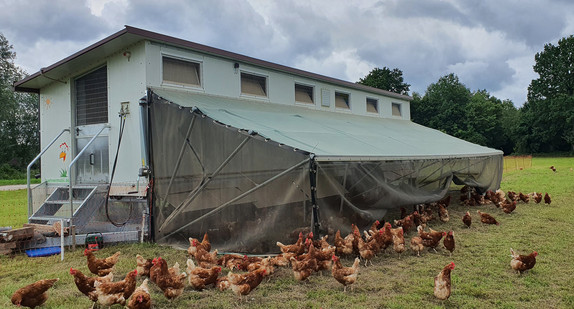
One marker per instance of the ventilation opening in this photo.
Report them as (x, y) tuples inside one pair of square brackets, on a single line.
[(397, 109), (304, 94), (342, 100), (253, 84), (92, 97), (180, 72), (372, 105)]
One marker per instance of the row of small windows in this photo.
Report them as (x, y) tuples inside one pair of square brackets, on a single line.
[(187, 73)]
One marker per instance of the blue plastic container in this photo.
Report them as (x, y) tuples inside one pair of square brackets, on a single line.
[(43, 251)]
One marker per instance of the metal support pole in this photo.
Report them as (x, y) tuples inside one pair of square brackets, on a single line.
[(143, 228), (61, 239), (313, 182)]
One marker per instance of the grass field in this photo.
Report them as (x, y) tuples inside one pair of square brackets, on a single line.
[(6, 182), (13, 208), (482, 277)]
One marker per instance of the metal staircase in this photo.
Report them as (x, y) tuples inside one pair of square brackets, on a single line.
[(57, 206)]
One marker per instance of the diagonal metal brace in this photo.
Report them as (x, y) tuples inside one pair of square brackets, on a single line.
[(193, 194), (263, 184)]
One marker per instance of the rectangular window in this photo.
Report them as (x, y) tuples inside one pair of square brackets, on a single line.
[(397, 109), (342, 100), (180, 72), (372, 105), (92, 97), (303, 94), (253, 84)]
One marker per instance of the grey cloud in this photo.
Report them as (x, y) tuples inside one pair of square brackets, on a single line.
[(67, 20), (229, 25), (423, 9), (297, 33), (534, 22), (304, 30), (491, 76)]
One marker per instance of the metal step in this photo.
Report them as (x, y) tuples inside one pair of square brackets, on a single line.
[(57, 205)]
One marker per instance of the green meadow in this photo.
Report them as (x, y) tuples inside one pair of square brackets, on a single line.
[(482, 277)]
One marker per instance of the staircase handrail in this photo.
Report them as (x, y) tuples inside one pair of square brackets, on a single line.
[(30, 210), (107, 126)]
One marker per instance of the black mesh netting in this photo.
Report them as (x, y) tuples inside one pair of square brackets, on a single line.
[(248, 192)]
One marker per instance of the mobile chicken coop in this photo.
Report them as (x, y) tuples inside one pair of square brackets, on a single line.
[(249, 151)]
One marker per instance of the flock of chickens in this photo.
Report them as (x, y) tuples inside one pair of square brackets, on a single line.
[(305, 257)]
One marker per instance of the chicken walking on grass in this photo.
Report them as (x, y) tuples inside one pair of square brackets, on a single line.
[(547, 199), (448, 242), (86, 284), (141, 298), (522, 263), (345, 275), (467, 219), (101, 267), (442, 282), (34, 294), (487, 218), (243, 284), (417, 245)]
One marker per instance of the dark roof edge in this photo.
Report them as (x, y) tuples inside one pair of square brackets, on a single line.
[(214, 51), (69, 58), (25, 89)]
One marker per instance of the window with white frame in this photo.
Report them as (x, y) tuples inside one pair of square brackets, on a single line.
[(397, 109), (253, 84), (372, 105), (304, 94), (342, 100), (181, 72)]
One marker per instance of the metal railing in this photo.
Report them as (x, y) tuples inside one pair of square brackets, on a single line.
[(30, 210), (70, 170)]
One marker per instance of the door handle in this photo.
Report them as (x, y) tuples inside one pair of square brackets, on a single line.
[(92, 159)]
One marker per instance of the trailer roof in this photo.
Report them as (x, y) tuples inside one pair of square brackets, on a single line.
[(130, 35), (331, 136)]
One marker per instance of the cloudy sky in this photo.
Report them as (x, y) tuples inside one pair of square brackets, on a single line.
[(488, 44)]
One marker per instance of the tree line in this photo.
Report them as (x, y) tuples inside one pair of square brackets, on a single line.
[(19, 130), (544, 124)]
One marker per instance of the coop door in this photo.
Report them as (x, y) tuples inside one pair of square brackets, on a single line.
[(91, 105)]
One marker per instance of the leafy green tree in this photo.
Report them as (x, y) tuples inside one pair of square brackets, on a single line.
[(509, 122), (19, 141), (546, 125), (483, 116), (386, 79), (555, 67), (547, 118), (443, 107), (475, 117)]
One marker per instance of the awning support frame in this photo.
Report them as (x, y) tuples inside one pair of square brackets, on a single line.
[(218, 208), (193, 194), (178, 162)]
